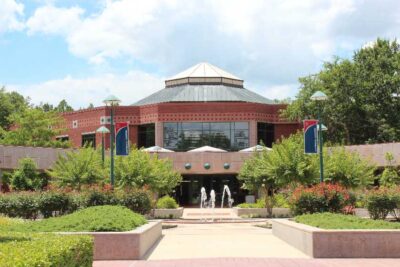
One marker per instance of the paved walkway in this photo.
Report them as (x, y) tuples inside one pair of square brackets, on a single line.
[(217, 213), (251, 262), (220, 240)]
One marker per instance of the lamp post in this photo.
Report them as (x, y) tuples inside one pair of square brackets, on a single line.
[(320, 97), (112, 101), (103, 130)]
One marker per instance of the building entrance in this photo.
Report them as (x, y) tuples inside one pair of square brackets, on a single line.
[(188, 192)]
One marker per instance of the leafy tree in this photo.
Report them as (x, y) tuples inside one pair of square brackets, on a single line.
[(77, 168), (34, 127), (26, 177), (347, 168), (140, 169), (11, 103), (390, 175), (286, 164), (63, 106), (360, 93)]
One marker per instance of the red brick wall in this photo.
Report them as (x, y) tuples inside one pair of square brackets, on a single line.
[(89, 119)]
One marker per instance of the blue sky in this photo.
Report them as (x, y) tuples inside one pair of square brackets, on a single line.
[(84, 50)]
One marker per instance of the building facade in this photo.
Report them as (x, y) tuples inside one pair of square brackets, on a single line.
[(201, 106)]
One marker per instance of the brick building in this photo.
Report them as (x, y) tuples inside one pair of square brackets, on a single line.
[(201, 106)]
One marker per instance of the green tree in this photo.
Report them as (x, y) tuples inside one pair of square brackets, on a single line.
[(360, 93), (77, 168), (285, 165), (390, 175), (11, 103), (140, 169), (347, 168), (34, 127), (62, 106), (26, 177)]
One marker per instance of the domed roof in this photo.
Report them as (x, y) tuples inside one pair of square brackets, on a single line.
[(204, 73), (204, 83)]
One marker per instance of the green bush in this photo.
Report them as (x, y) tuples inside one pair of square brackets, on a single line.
[(260, 203), (29, 205), (92, 219), (381, 202), (136, 200), (45, 250), (340, 221), (26, 177), (321, 197), (167, 202)]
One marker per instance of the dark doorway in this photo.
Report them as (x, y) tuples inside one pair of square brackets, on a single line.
[(265, 133), (89, 140), (146, 135), (188, 192)]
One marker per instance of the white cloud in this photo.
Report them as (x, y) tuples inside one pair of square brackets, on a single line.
[(264, 42), (52, 20), (10, 15), (280, 91), (129, 87)]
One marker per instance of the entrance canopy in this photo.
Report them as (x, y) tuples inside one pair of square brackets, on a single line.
[(207, 149), (157, 149), (256, 148)]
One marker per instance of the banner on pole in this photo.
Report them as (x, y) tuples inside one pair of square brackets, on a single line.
[(122, 138), (310, 136)]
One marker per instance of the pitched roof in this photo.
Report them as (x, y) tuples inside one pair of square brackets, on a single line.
[(203, 93), (203, 69)]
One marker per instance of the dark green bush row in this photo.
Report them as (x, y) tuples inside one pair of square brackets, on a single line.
[(93, 219), (382, 202), (44, 250), (30, 205)]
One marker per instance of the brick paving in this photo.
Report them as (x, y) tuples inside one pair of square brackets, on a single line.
[(253, 262)]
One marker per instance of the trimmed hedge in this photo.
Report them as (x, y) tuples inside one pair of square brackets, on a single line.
[(45, 250), (341, 221), (167, 202), (382, 202), (29, 205), (92, 219)]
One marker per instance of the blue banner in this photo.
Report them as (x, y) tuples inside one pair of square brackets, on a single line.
[(310, 136), (122, 138)]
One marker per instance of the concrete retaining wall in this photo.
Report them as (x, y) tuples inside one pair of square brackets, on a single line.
[(131, 245), (320, 243), (276, 212), (168, 213)]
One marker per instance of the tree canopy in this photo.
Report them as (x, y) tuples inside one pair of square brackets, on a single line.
[(362, 106), (11, 103)]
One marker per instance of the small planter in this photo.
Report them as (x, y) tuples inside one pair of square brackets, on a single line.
[(132, 245), (262, 212), (321, 243), (168, 213)]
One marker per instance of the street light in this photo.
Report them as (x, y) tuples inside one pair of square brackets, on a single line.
[(320, 97), (112, 101), (103, 130)]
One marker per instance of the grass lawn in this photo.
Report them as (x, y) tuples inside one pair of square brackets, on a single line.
[(340, 221), (93, 219)]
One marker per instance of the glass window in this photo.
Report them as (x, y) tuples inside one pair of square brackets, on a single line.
[(89, 140), (189, 135), (265, 133), (146, 135)]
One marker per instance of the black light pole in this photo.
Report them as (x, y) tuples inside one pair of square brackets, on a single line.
[(112, 101)]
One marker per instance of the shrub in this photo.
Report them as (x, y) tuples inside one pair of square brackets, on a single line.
[(382, 201), (45, 250), (26, 176), (340, 221), (166, 202), (51, 203), (28, 205), (137, 200), (321, 197), (92, 219), (260, 203)]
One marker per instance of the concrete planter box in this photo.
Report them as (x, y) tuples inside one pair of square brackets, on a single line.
[(320, 243), (168, 213), (276, 212), (131, 245)]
